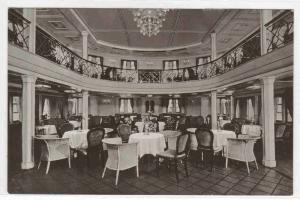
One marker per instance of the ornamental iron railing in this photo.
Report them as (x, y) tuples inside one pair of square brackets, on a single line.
[(280, 31), (18, 29)]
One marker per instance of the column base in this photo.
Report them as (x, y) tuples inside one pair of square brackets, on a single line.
[(27, 165), (269, 163)]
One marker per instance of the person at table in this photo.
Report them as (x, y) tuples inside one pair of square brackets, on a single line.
[(134, 128)]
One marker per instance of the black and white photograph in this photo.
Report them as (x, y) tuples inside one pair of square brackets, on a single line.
[(149, 100)]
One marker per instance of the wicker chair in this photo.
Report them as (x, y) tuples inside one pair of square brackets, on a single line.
[(95, 147), (121, 156), (124, 131), (181, 153), (53, 149), (241, 149), (64, 128), (205, 140)]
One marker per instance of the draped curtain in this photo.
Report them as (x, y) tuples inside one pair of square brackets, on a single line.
[(289, 100), (46, 108), (122, 105), (250, 110), (170, 106), (237, 110)]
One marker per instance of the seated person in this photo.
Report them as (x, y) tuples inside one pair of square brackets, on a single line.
[(134, 128)]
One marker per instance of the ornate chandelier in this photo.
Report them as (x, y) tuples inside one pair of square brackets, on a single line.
[(149, 20)]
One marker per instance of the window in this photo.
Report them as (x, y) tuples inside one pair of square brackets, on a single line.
[(278, 111), (173, 106), (171, 64), (149, 106), (203, 60), (126, 105), (96, 59), (16, 111), (129, 64)]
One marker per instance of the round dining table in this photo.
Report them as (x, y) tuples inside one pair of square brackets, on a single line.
[(150, 143), (76, 124), (254, 130), (220, 138)]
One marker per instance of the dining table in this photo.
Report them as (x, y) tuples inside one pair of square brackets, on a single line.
[(220, 138), (148, 143), (76, 124), (78, 138), (140, 125)]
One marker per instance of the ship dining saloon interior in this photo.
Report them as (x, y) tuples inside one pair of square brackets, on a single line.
[(150, 101)]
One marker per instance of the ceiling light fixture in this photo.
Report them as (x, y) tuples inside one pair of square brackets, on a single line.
[(149, 20)]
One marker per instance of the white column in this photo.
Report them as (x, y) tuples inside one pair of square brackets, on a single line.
[(30, 14), (213, 46), (28, 121), (214, 109), (256, 109), (268, 121), (265, 17), (84, 44), (85, 109), (231, 107)]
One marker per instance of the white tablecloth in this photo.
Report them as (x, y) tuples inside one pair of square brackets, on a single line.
[(220, 138), (48, 129), (148, 144), (254, 130), (76, 124), (77, 138)]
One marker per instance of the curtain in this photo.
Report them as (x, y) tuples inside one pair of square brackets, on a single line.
[(46, 108), (152, 106), (177, 108), (289, 100), (237, 109), (166, 65), (147, 106), (250, 110), (129, 105), (170, 106), (122, 106), (223, 107), (132, 65)]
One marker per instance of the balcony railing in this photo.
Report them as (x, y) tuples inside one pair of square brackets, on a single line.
[(280, 28), (18, 29)]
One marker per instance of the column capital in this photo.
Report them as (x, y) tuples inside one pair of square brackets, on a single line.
[(84, 33), (268, 80), (85, 92), (28, 78)]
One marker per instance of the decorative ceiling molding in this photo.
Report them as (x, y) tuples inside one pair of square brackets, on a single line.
[(108, 44)]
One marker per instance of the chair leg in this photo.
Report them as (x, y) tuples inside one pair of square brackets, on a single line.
[(212, 161), (39, 164), (185, 167), (69, 161), (48, 166), (103, 173), (176, 171), (157, 165), (248, 168), (137, 171), (117, 177), (256, 164)]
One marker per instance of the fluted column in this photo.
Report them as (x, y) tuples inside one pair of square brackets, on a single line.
[(84, 44), (267, 94), (85, 109), (265, 17), (28, 121), (214, 109), (231, 107)]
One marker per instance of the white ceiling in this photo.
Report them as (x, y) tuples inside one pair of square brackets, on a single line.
[(114, 31)]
